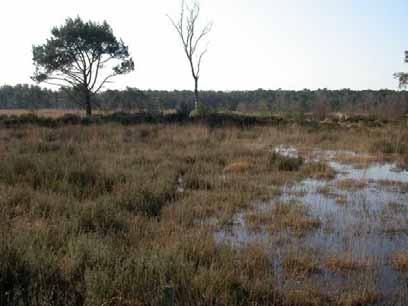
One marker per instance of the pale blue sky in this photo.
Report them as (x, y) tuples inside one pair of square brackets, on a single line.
[(254, 44)]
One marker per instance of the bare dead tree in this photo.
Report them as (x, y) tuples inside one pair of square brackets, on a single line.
[(191, 37)]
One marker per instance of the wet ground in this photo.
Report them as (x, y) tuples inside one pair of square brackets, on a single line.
[(363, 213)]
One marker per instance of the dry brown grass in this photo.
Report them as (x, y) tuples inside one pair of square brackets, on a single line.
[(361, 161), (346, 262), (237, 167), (358, 298), (301, 264), (350, 184), (92, 213), (319, 170), (308, 296), (291, 217), (51, 113), (400, 186), (101, 199), (400, 261)]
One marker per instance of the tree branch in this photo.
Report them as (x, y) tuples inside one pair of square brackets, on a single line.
[(104, 82)]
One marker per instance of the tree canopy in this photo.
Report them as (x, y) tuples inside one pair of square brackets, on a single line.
[(82, 56)]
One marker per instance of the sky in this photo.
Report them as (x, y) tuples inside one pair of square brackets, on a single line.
[(270, 44)]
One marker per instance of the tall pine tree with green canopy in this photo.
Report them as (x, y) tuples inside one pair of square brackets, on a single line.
[(81, 58)]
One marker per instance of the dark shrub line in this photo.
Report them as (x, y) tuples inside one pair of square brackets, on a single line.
[(212, 120)]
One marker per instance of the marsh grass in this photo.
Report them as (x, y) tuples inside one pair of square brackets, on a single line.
[(318, 170), (292, 217), (350, 184), (301, 263), (93, 214), (239, 166), (358, 297), (346, 262), (394, 185), (400, 261), (308, 296)]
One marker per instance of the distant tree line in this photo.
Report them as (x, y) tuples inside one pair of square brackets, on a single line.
[(381, 102), (29, 97)]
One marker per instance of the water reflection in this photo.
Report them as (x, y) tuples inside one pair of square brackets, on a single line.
[(365, 220)]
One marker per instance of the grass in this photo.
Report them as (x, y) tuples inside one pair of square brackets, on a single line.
[(346, 262), (107, 214), (319, 170), (351, 184), (359, 297), (360, 161), (239, 166), (53, 113), (301, 263), (393, 185), (91, 215), (400, 261), (292, 217), (308, 296)]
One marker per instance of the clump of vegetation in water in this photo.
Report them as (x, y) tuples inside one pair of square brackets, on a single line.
[(285, 163)]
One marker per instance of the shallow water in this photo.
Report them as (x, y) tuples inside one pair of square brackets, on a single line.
[(375, 172), (370, 221)]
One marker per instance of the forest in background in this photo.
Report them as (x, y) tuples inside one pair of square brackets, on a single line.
[(383, 103)]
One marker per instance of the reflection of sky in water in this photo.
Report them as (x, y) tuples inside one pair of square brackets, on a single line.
[(363, 226), (378, 172)]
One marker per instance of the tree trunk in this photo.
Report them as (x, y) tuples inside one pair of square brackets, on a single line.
[(196, 93), (88, 104)]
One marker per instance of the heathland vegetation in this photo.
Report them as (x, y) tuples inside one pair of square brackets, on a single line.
[(111, 215), (145, 198)]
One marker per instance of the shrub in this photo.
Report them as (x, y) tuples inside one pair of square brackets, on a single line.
[(184, 109), (393, 144), (318, 170), (33, 279), (70, 119), (79, 176), (144, 200), (100, 217), (285, 163)]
